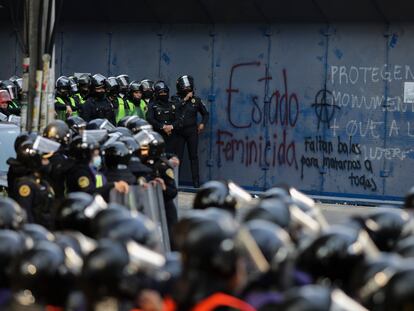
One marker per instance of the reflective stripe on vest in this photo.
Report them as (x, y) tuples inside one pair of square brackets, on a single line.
[(144, 108), (81, 100), (98, 180), (222, 300)]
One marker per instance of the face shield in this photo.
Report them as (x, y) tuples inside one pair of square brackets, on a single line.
[(97, 135), (143, 259), (45, 146), (308, 205), (243, 198)]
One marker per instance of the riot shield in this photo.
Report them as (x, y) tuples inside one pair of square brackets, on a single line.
[(148, 200)]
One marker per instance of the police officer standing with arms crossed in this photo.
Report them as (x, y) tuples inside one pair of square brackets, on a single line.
[(188, 107), (98, 106)]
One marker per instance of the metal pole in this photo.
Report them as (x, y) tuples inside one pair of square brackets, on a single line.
[(34, 10)]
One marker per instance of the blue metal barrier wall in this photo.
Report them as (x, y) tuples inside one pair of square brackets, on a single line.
[(318, 107)]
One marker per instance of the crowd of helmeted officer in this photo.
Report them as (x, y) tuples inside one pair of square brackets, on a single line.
[(232, 252), (114, 98)]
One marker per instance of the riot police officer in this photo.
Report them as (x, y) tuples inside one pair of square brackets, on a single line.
[(123, 82), (135, 100), (84, 84), (162, 115), (116, 159), (212, 263), (65, 105), (189, 106), (146, 87), (84, 176), (13, 90), (151, 153), (98, 105), (59, 163), (112, 89), (33, 192)]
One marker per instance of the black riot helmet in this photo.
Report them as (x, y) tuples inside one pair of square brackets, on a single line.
[(84, 84), (76, 212), (57, 131), (137, 124), (37, 233), (122, 131), (12, 245), (63, 86), (222, 194), (398, 293), (273, 210), (104, 271), (130, 143), (98, 81), (22, 137), (124, 120), (138, 228), (146, 87), (205, 239), (151, 145), (159, 88), (112, 86), (82, 148), (108, 218), (76, 124), (73, 85), (269, 237), (185, 85), (100, 124), (10, 87), (40, 272), (28, 156), (334, 254), (12, 216), (123, 82), (386, 227), (116, 154), (367, 278), (132, 88)]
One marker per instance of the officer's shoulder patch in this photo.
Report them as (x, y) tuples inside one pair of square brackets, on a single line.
[(83, 182), (170, 173), (24, 191)]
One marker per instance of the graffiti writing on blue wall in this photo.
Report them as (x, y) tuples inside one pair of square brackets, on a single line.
[(279, 112)]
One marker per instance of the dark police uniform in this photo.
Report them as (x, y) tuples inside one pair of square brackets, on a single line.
[(188, 132), (60, 164), (98, 109), (164, 113), (83, 178), (16, 171), (36, 197)]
